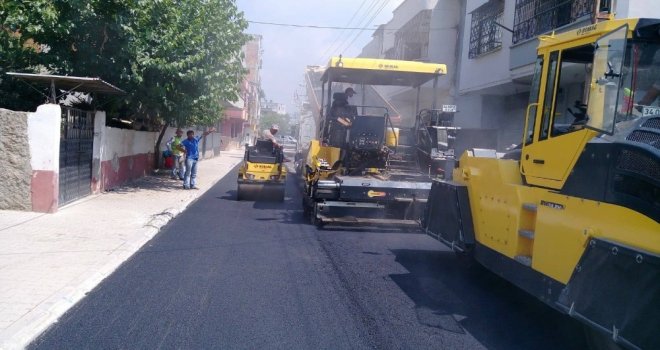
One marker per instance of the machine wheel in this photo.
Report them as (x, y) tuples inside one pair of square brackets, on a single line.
[(239, 194)]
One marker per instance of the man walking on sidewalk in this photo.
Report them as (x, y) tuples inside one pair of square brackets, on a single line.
[(174, 146), (191, 146)]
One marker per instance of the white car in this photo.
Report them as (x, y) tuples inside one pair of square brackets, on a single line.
[(288, 143)]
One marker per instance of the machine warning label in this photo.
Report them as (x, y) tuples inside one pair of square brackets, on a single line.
[(552, 205)]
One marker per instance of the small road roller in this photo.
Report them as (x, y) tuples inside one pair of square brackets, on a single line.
[(262, 175)]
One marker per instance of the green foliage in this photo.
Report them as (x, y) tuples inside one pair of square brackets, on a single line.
[(177, 60), (269, 118), (18, 53)]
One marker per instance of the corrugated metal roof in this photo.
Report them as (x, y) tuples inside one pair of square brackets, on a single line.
[(80, 84)]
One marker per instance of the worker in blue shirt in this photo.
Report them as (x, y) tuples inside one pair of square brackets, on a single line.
[(191, 146)]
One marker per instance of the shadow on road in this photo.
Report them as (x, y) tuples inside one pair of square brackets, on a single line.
[(457, 296), (229, 196), (160, 182)]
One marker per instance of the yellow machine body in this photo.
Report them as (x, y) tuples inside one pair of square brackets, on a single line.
[(572, 215), (321, 159), (262, 176), (349, 175), (262, 172), (562, 225)]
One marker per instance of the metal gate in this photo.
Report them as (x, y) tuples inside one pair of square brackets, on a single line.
[(76, 149)]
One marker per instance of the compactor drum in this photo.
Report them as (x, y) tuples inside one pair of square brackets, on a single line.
[(262, 175)]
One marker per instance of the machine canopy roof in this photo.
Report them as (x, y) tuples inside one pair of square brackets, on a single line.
[(372, 71)]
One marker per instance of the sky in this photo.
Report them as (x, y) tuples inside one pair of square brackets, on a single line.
[(287, 51)]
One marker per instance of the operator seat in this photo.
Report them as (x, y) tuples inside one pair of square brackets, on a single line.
[(264, 146), (264, 151)]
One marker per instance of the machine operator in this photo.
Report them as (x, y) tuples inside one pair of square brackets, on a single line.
[(269, 134)]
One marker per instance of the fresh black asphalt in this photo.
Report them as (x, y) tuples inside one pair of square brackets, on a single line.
[(255, 275)]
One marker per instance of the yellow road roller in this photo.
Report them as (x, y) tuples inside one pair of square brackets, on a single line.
[(262, 175)]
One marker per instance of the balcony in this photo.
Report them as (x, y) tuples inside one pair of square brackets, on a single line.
[(411, 42), (485, 34), (536, 17)]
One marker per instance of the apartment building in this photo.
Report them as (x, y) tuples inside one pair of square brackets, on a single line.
[(498, 51), (420, 30), (241, 116), (489, 47), (273, 107)]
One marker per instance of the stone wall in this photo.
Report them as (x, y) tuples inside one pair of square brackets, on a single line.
[(15, 161)]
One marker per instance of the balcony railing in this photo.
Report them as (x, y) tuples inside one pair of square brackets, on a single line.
[(485, 34), (411, 42), (535, 17)]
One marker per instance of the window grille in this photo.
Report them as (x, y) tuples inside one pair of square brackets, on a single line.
[(411, 42), (535, 17), (485, 34)]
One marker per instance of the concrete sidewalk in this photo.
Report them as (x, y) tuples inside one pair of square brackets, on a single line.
[(48, 262)]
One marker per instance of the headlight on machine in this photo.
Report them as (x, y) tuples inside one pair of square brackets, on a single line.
[(274, 177), (249, 176)]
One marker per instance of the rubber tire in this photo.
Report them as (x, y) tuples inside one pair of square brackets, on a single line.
[(239, 195)]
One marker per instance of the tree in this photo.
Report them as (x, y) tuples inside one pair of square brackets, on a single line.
[(269, 118), (185, 81), (178, 60), (19, 53)]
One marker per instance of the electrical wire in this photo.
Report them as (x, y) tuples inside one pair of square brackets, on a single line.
[(339, 36), (308, 26), (370, 21), (347, 36)]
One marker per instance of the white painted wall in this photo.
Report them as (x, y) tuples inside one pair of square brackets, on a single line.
[(214, 141), (492, 68), (443, 39), (372, 49), (445, 19), (43, 137), (114, 142), (402, 14), (638, 8), (469, 111), (122, 143), (472, 5)]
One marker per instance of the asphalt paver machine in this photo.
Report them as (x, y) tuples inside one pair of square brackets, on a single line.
[(572, 215), (354, 172)]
